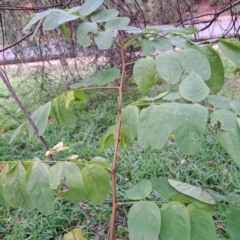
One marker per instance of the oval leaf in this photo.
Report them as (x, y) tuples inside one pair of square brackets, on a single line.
[(140, 191), (144, 71), (233, 219), (190, 124), (38, 188), (162, 44), (175, 222), (100, 161), (129, 121), (162, 187), (216, 80), (82, 32), (219, 101), (96, 182), (192, 191), (202, 225), (104, 40), (103, 15), (229, 138), (193, 88), (73, 176), (193, 59), (117, 23), (107, 76), (89, 6), (169, 67), (144, 221), (16, 177), (161, 124), (231, 50), (147, 46)]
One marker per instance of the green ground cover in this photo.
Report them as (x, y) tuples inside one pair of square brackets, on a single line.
[(211, 168)]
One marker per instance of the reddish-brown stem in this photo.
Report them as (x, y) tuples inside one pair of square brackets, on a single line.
[(116, 145)]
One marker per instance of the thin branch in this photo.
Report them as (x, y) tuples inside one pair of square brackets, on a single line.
[(116, 145), (91, 220), (8, 85)]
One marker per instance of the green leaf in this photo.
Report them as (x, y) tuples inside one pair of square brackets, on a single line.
[(16, 132), (140, 191), (229, 138), (169, 67), (75, 234), (162, 187), (162, 44), (68, 98), (230, 198), (193, 88), (104, 40), (202, 225), (103, 15), (231, 50), (203, 206), (129, 121), (216, 80), (82, 32), (116, 23), (85, 83), (233, 219), (171, 29), (96, 182), (100, 161), (73, 176), (66, 17), (172, 95), (236, 107), (2, 200), (147, 46), (179, 197), (175, 222), (142, 126), (179, 42), (51, 21), (190, 124), (64, 31), (159, 96), (36, 18), (219, 101), (129, 41), (161, 124), (107, 76), (144, 221), (38, 188), (89, 6), (192, 191), (144, 73), (107, 139), (40, 118), (16, 182), (193, 59), (7, 187)]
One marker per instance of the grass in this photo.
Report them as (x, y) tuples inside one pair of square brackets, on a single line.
[(211, 168)]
